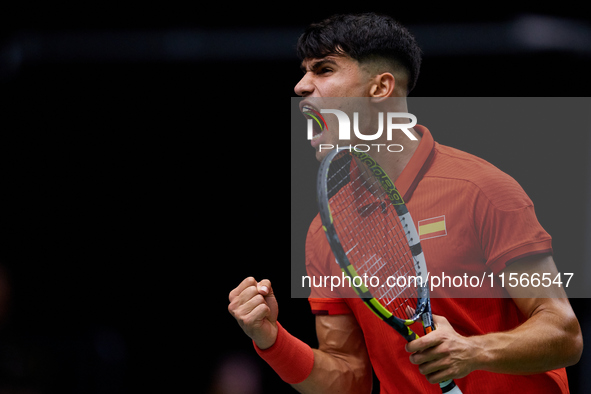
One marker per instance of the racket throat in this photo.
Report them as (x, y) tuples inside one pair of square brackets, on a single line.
[(427, 322), (427, 316)]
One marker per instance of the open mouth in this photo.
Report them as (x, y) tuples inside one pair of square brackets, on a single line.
[(316, 119)]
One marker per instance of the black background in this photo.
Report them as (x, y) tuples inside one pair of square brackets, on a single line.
[(137, 193)]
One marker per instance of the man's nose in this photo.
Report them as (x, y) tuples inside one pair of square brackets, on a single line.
[(304, 87)]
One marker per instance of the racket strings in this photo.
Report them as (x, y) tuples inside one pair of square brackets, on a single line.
[(372, 235)]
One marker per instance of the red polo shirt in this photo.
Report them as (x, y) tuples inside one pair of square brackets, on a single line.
[(473, 219)]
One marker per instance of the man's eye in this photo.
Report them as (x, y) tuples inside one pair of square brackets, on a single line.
[(324, 70)]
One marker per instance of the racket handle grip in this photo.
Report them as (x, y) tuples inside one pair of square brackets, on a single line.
[(449, 387)]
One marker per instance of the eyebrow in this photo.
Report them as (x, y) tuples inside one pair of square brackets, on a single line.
[(318, 64)]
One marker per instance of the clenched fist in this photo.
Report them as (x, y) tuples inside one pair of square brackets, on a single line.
[(254, 306)]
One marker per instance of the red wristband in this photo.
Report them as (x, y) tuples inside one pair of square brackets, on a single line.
[(291, 358)]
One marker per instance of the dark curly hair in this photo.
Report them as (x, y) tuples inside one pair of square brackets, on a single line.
[(363, 37)]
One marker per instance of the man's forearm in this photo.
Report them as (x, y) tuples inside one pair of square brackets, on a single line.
[(333, 373), (546, 341), (341, 362), (550, 338)]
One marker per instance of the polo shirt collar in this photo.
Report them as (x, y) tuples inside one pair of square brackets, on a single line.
[(418, 165)]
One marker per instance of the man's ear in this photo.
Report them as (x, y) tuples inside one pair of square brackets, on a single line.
[(382, 85)]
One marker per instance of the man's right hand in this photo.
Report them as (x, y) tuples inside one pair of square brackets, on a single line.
[(254, 306)]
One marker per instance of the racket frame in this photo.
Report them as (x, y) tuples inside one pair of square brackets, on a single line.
[(423, 309)]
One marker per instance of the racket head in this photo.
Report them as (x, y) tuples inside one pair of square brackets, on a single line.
[(372, 235)]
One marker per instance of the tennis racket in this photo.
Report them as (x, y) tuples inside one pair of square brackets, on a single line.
[(371, 234)]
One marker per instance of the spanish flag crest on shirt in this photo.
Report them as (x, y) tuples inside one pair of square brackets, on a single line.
[(433, 227)]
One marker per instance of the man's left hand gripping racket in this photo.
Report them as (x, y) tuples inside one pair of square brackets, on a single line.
[(372, 235)]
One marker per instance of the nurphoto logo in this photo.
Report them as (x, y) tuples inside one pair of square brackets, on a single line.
[(317, 125)]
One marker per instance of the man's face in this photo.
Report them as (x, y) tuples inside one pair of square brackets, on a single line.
[(331, 76)]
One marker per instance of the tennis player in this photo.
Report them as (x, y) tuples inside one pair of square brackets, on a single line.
[(518, 340)]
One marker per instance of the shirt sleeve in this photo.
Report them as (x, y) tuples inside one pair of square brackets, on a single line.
[(506, 222)]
